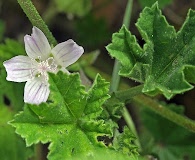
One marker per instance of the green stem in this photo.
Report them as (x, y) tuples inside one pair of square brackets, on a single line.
[(128, 94), (165, 112), (127, 16), (131, 125), (115, 77), (36, 20)]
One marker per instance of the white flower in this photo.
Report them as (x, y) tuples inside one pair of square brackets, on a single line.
[(41, 59)]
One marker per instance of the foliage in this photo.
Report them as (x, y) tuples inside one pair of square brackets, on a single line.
[(71, 120), (13, 92), (173, 143), (160, 63), (81, 120)]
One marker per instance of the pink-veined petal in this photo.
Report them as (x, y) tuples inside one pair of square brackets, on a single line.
[(36, 91), (37, 45), (19, 68), (66, 53)]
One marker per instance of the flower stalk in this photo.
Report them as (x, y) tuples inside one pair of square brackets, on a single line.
[(36, 20)]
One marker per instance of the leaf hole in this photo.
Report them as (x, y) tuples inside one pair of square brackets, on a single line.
[(72, 151), (105, 139), (6, 100)]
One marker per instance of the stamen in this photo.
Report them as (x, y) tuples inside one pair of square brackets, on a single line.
[(42, 67)]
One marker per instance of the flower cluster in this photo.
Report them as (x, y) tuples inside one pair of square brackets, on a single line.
[(41, 59)]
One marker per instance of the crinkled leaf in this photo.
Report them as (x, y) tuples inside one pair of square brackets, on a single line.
[(164, 138), (125, 142), (12, 146), (71, 119), (113, 108), (160, 64), (11, 48)]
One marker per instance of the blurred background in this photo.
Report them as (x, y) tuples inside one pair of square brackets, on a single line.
[(91, 24)]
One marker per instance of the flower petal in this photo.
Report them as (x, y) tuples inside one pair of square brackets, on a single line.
[(19, 68), (36, 91), (37, 45), (67, 53)]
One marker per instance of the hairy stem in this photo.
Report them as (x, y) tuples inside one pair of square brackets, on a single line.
[(165, 112), (128, 94), (36, 20)]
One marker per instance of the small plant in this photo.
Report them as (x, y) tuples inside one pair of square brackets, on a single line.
[(78, 119)]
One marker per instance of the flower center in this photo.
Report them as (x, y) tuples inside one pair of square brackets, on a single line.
[(42, 67)]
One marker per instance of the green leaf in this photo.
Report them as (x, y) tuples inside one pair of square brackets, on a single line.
[(71, 120), (10, 49), (164, 138), (80, 8), (12, 146), (160, 64), (148, 3), (114, 108), (124, 142)]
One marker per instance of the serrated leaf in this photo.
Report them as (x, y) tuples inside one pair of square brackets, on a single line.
[(166, 139), (114, 108), (70, 120), (123, 141), (160, 64), (100, 90)]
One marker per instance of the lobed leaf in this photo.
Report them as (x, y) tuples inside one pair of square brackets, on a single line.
[(161, 64), (71, 119)]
